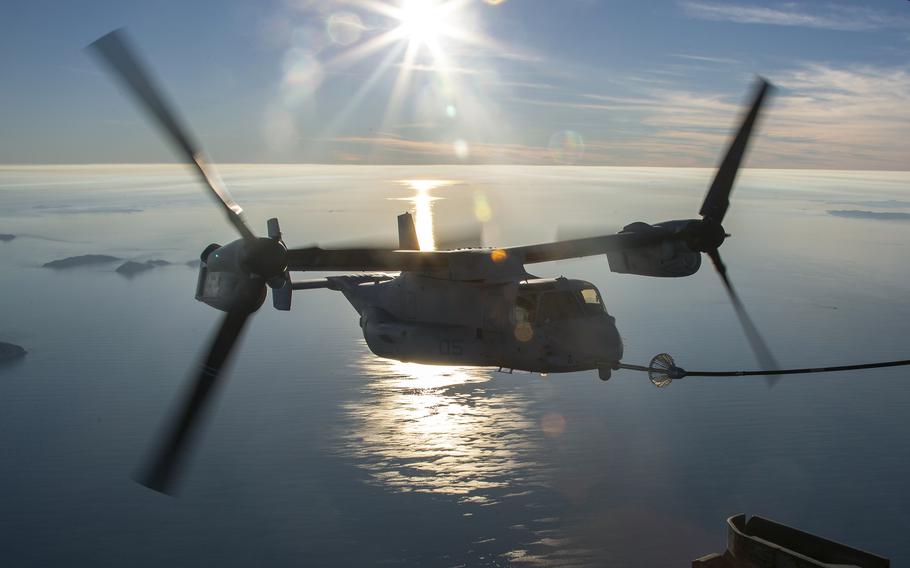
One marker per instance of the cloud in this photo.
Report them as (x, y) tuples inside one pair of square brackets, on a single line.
[(707, 59), (438, 69), (822, 116), (843, 18), (83, 210), (847, 117), (524, 85), (385, 149), (624, 152), (426, 125)]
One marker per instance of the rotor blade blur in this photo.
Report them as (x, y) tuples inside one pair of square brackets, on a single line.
[(445, 237), (717, 201), (365, 260), (114, 49), (759, 347), (468, 235), (164, 467)]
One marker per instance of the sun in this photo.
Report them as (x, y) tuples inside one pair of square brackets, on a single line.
[(429, 45), (419, 26), (422, 21)]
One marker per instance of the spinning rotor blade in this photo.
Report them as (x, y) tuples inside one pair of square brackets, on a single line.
[(162, 470), (709, 234), (718, 198), (759, 347), (280, 285), (445, 237), (114, 50), (467, 235)]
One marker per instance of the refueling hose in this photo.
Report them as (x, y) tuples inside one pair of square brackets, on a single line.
[(663, 370)]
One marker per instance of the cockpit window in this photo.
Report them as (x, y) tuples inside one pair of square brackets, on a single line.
[(589, 295), (592, 302), (558, 306)]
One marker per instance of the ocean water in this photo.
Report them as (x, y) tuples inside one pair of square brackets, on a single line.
[(319, 453)]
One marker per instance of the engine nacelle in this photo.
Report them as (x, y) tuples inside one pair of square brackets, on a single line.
[(224, 283), (671, 258)]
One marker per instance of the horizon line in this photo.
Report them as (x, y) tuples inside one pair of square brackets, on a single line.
[(439, 164)]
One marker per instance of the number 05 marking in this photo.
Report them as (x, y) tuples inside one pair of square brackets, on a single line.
[(453, 347)]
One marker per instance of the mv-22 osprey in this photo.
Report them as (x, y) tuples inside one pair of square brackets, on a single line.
[(477, 306)]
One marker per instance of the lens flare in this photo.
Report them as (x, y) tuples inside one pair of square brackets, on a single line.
[(303, 75), (524, 332), (344, 28), (566, 147), (482, 210), (553, 424), (461, 148)]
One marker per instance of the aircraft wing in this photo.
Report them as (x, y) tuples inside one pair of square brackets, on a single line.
[(589, 246), (388, 260)]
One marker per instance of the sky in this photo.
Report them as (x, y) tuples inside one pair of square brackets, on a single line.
[(589, 82)]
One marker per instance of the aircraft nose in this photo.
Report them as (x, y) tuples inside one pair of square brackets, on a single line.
[(596, 341), (612, 341)]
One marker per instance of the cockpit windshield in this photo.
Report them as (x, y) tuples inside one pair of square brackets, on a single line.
[(591, 301), (558, 306), (555, 305)]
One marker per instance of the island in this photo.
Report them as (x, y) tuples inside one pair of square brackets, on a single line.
[(83, 260), (131, 268), (10, 352), (5, 238), (877, 215)]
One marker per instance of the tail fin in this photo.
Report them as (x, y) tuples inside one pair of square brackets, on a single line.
[(407, 233)]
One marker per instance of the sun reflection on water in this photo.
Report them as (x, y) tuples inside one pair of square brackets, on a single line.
[(441, 430), (422, 201)]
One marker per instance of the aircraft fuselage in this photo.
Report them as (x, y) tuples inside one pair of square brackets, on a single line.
[(539, 325)]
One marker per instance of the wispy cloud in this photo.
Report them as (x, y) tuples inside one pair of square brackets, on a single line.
[(525, 85), (823, 116), (385, 149), (426, 125), (628, 151), (834, 17), (707, 59), (851, 116), (439, 69)]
